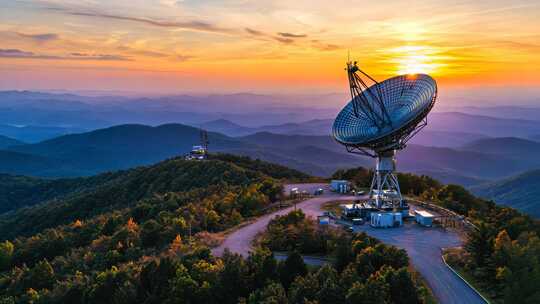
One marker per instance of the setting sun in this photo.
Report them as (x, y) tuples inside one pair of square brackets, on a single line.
[(414, 59), (415, 64)]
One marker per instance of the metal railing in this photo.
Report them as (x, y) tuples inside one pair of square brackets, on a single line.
[(444, 211)]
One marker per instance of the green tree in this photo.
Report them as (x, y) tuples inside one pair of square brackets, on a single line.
[(401, 286), (271, 294), (292, 267), (304, 289), (356, 294), (479, 245), (151, 233), (6, 255), (41, 276), (234, 280)]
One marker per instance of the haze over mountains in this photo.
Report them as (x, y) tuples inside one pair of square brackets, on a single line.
[(65, 135), (126, 146), (521, 192)]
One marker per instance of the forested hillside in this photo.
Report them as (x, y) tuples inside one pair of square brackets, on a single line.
[(126, 188), (141, 236), (18, 191), (106, 244)]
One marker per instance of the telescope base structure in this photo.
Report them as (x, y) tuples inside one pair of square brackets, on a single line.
[(384, 190)]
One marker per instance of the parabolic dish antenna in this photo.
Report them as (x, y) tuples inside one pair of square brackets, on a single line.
[(380, 119)]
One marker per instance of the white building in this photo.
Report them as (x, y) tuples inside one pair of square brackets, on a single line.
[(386, 219), (423, 218)]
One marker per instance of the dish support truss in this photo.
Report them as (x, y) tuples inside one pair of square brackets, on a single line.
[(362, 96), (385, 185)]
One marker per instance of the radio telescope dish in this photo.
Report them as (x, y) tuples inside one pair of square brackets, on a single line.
[(380, 119)]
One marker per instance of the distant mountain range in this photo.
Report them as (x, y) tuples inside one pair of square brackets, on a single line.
[(506, 112), (233, 115), (127, 146), (93, 112), (521, 192), (512, 147), (444, 129), (114, 148), (33, 134)]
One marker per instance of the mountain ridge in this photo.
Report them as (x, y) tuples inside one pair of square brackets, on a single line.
[(521, 191)]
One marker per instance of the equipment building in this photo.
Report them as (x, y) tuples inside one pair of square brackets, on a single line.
[(340, 186), (423, 218)]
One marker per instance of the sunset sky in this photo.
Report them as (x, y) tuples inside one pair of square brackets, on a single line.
[(270, 46)]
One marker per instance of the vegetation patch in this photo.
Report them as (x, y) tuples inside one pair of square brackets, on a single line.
[(502, 255), (359, 261)]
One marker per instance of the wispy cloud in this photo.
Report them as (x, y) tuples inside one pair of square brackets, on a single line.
[(284, 40), (254, 32), (146, 53), (16, 53), (291, 35), (280, 38), (195, 25), (325, 46), (39, 37), (184, 57), (105, 57)]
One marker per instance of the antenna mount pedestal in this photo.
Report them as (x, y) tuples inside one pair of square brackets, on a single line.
[(384, 188)]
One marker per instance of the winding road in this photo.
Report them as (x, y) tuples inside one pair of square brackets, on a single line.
[(423, 246)]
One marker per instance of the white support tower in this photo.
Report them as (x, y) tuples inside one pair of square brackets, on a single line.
[(384, 185)]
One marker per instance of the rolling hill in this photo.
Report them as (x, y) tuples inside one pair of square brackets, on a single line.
[(127, 146), (445, 139), (483, 125), (33, 134), (459, 163), (513, 147), (120, 147), (521, 192), (227, 127), (446, 177), (456, 127), (8, 141), (29, 164), (18, 191), (452, 165), (107, 192)]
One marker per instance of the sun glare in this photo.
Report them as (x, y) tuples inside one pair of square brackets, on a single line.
[(414, 64), (412, 59)]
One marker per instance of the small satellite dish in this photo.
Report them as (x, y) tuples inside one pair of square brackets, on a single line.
[(380, 119)]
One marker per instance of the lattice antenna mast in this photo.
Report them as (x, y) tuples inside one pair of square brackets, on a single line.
[(204, 140), (360, 94)]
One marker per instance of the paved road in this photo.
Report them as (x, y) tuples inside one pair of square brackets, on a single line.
[(240, 240), (423, 246)]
